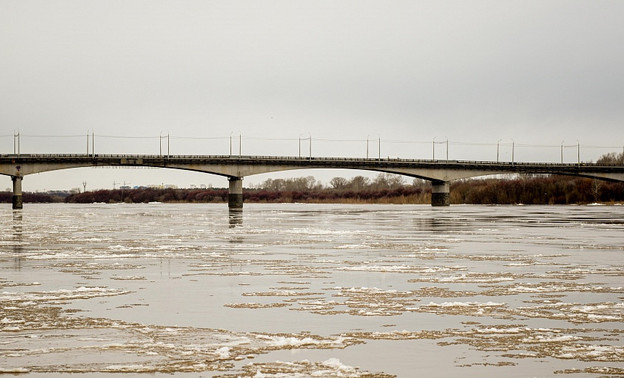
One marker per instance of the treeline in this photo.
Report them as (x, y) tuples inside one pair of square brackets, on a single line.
[(385, 189), (380, 182), (7, 197), (145, 195), (537, 190)]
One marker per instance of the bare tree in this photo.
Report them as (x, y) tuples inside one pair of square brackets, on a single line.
[(338, 183)]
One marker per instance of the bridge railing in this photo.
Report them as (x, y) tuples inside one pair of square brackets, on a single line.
[(170, 158)]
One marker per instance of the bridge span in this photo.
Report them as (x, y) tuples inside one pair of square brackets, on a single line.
[(235, 168)]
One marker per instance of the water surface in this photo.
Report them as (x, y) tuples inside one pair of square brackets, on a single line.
[(326, 290)]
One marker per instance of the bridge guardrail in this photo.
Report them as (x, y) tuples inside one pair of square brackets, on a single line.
[(438, 162)]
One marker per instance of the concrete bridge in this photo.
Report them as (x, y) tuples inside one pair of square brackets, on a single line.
[(235, 168)]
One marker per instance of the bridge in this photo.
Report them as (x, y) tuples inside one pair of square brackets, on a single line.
[(439, 172)]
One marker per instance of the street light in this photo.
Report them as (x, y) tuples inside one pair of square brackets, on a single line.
[(16, 143), (578, 152), (160, 144), (498, 149), (433, 147)]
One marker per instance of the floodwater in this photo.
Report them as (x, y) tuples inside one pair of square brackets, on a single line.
[(312, 290)]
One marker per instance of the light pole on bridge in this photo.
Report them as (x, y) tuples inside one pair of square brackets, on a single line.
[(16, 143), (160, 144), (513, 151), (92, 137), (578, 152), (240, 144), (310, 145), (433, 148), (378, 147)]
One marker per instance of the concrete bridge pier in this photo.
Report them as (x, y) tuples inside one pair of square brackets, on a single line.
[(440, 193), (235, 195), (17, 192)]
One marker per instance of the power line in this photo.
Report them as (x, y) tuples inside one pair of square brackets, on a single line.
[(321, 139), (53, 136)]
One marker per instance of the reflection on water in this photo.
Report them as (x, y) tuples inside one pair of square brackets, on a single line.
[(235, 217), (17, 238), (324, 290)]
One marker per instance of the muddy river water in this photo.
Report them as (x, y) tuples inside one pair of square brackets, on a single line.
[(312, 290)]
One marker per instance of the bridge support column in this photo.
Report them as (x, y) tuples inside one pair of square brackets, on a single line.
[(17, 192), (235, 196), (440, 193)]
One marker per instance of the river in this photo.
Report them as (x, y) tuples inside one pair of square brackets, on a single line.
[(312, 290)]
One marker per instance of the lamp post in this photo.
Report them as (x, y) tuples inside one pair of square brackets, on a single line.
[(513, 150), (561, 152), (433, 143), (16, 143), (498, 149)]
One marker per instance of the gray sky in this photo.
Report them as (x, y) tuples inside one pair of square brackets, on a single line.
[(477, 73)]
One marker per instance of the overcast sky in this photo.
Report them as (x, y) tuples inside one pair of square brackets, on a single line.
[(398, 73)]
